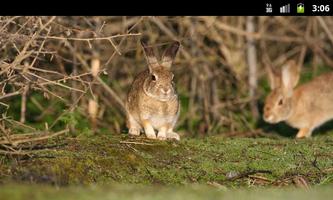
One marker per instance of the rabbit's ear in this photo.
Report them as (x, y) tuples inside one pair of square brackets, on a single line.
[(273, 78), (290, 75), (170, 54), (150, 56)]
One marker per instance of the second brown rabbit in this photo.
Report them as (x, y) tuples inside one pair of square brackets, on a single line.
[(305, 107)]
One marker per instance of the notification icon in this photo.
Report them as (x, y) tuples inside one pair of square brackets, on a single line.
[(300, 8)]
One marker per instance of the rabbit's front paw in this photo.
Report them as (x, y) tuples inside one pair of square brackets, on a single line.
[(303, 133), (134, 131), (149, 130), (151, 135), (161, 135)]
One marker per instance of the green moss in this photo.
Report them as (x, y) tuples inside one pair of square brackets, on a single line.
[(120, 159)]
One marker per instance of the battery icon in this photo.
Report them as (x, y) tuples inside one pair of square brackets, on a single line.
[(300, 8)]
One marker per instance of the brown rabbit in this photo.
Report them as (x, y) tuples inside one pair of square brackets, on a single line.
[(152, 102), (305, 107)]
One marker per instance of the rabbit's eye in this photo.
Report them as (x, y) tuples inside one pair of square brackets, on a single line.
[(153, 77), (280, 102)]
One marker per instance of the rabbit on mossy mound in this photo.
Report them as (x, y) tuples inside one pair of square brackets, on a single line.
[(152, 102)]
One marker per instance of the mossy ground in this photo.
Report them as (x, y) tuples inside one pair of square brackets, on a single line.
[(226, 162)]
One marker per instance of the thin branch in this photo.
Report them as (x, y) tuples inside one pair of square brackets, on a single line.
[(10, 94), (37, 137), (24, 103), (325, 27), (90, 39), (139, 143)]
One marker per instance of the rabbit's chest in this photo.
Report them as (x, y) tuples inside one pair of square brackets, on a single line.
[(160, 109), (160, 114), (158, 121)]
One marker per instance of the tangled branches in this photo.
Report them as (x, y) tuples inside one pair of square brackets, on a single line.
[(74, 72)]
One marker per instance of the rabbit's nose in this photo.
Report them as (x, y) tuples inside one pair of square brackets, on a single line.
[(268, 117), (166, 91), (266, 111)]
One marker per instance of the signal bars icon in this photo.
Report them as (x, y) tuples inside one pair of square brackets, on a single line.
[(285, 9)]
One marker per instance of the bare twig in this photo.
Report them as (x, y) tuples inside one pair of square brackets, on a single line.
[(24, 103), (91, 39), (36, 137), (325, 27), (139, 143), (10, 94)]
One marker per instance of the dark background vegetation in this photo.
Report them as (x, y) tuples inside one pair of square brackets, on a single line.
[(60, 73)]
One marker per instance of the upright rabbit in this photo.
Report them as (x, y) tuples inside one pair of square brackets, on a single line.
[(152, 102), (305, 107)]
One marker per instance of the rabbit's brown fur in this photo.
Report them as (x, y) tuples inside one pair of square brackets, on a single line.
[(305, 107)]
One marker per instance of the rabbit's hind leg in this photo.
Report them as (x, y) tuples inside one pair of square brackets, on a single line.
[(171, 134), (133, 126)]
